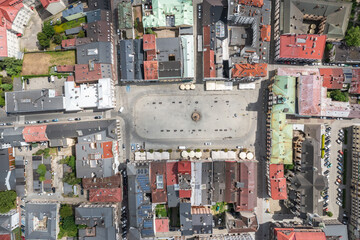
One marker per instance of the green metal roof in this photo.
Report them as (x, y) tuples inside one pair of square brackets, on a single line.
[(125, 15), (182, 10), (281, 131)]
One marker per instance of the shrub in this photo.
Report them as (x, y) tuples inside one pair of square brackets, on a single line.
[(330, 214)]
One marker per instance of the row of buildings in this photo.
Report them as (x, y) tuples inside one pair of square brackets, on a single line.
[(190, 191)]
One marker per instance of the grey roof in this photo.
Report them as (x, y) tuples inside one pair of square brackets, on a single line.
[(4, 168), (100, 52), (68, 188), (202, 223), (336, 12), (202, 183), (125, 18), (12, 136), (345, 54), (98, 4), (33, 101), (173, 196), (140, 212), (5, 224), (186, 219), (80, 129), (74, 10), (168, 47), (74, 30), (170, 69), (213, 11), (186, 30), (97, 15), (40, 211), (131, 59), (338, 230), (310, 181), (219, 181), (101, 218)]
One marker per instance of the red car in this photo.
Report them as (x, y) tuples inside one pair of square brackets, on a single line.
[(341, 152)]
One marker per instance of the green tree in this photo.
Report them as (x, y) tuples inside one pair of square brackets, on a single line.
[(66, 211), (6, 87), (57, 39), (7, 201), (68, 224), (11, 65), (48, 30), (41, 170), (329, 46), (2, 101), (7, 80), (70, 178), (352, 37), (44, 41), (339, 96), (330, 214), (41, 178), (46, 152), (81, 34), (72, 162)]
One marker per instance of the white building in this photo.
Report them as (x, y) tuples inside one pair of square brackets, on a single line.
[(53, 6)]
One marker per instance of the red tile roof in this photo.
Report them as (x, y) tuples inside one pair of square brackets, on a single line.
[(107, 149), (298, 234), (105, 195), (248, 193), (5, 237), (65, 68), (151, 70), (150, 55), (70, 78), (162, 225), (171, 173), (208, 55), (68, 43), (249, 70), (277, 182), (256, 3), (302, 46), (265, 33), (184, 167), (158, 189), (35, 133), (185, 193), (149, 42), (333, 78), (46, 3), (309, 100), (355, 82), (84, 75)]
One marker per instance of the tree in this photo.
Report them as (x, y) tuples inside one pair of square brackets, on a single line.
[(44, 41), (339, 96), (81, 34), (57, 39), (42, 178), (330, 214), (352, 37), (66, 211), (48, 30), (68, 224), (7, 201), (11, 65), (41, 170), (329, 46), (6, 87), (70, 178), (7, 79), (46, 152), (72, 162)]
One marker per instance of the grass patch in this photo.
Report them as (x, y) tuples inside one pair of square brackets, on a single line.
[(289, 166), (219, 207), (44, 60), (17, 233), (160, 211), (68, 25)]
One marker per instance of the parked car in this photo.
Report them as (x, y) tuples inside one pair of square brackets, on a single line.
[(340, 164), (46, 121), (55, 120), (340, 168), (26, 162), (329, 166), (98, 117), (337, 183), (339, 203), (338, 180), (326, 172), (338, 141), (341, 152), (77, 119), (207, 143), (71, 119)]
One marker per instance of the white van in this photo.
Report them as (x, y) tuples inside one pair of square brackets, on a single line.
[(182, 147)]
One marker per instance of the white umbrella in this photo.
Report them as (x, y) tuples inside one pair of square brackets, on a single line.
[(249, 155), (187, 87), (182, 87), (242, 155), (192, 154), (184, 154), (192, 86), (198, 154)]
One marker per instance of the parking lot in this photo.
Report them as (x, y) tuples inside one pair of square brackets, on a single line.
[(42, 82), (170, 116)]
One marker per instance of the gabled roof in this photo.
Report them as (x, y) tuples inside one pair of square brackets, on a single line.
[(162, 225), (309, 100), (333, 78), (158, 181), (105, 195), (255, 3), (149, 42), (66, 43), (171, 173), (303, 46), (35, 133), (265, 33), (277, 182), (249, 70), (5, 236), (299, 234), (184, 167), (65, 68), (151, 70)]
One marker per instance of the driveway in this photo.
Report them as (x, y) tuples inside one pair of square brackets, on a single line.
[(29, 41)]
